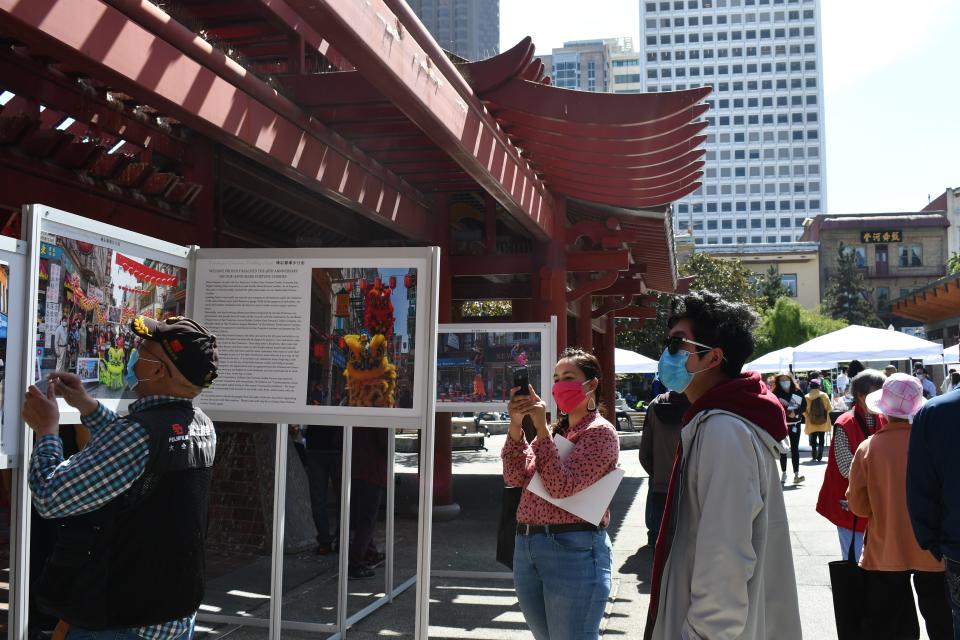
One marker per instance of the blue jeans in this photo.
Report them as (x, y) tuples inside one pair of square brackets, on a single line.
[(845, 543), (563, 582), (77, 633), (953, 593)]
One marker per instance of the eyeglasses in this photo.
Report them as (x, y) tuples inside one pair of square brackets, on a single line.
[(672, 345)]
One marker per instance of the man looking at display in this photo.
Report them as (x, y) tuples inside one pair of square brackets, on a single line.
[(132, 505), (723, 566)]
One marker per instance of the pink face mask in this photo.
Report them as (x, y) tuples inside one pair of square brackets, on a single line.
[(568, 394)]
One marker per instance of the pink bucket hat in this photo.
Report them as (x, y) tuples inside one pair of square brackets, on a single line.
[(900, 397)]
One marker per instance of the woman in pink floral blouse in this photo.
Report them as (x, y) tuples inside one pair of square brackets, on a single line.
[(561, 564)]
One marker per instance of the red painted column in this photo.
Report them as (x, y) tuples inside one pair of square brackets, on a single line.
[(552, 276), (444, 508), (585, 323), (607, 367)]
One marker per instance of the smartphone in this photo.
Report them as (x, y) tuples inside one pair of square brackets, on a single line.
[(521, 379)]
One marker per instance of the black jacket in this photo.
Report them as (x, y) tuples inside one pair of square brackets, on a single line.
[(933, 484), (139, 559)]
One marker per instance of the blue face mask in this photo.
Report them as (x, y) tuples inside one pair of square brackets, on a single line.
[(131, 376), (672, 370)]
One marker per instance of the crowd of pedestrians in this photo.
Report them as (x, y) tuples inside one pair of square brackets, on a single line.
[(715, 444)]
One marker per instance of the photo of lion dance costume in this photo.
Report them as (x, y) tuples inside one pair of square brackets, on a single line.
[(371, 377)]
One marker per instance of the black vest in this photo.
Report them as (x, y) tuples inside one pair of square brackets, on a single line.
[(139, 559)]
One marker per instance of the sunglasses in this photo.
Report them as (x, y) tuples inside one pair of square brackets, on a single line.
[(672, 345)]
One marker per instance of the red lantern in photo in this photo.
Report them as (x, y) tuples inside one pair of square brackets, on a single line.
[(409, 281), (342, 304), (393, 282), (348, 285), (363, 284), (377, 282)]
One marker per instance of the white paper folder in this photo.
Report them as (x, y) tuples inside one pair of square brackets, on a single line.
[(589, 504)]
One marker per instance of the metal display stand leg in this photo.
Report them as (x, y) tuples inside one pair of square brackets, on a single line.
[(279, 503)]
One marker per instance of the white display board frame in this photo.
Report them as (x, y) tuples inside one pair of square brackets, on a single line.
[(13, 253), (425, 259), (548, 358), (40, 219)]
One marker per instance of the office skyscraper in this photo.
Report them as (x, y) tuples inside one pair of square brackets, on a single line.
[(468, 28), (604, 65), (765, 168)]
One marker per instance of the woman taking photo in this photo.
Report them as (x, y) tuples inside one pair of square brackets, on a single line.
[(561, 564), (790, 396)]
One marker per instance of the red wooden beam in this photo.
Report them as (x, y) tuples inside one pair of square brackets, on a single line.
[(613, 304), (632, 202), (480, 289), (591, 286), (216, 97), (537, 151), (25, 76), (626, 287), (510, 118), (592, 229), (616, 146), (593, 108), (637, 313), (491, 265), (646, 190), (553, 174), (628, 168), (412, 72), (598, 260)]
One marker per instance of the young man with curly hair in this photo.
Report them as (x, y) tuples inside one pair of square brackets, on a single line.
[(723, 567)]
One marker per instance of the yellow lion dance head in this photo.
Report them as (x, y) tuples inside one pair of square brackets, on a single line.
[(371, 378)]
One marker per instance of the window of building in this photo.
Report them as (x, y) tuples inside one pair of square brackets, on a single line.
[(698, 207), (711, 225), (756, 239), (741, 222), (911, 255), (883, 298), (771, 239), (726, 240), (771, 223), (815, 205), (789, 280), (712, 207), (726, 224), (755, 222)]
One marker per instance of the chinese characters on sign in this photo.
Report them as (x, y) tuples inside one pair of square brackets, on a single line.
[(881, 236)]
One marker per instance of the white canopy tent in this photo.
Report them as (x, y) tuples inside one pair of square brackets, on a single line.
[(856, 342), (626, 361), (775, 361), (951, 355)]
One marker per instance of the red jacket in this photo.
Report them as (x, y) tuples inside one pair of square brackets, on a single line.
[(834, 487)]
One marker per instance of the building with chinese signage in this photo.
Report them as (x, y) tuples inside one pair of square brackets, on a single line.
[(896, 252)]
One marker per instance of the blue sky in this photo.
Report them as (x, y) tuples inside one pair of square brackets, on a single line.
[(891, 88)]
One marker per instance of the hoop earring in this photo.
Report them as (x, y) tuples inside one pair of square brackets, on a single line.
[(593, 402)]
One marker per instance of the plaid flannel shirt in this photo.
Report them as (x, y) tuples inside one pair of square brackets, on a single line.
[(112, 461)]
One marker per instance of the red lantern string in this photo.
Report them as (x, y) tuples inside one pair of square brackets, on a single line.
[(393, 282)]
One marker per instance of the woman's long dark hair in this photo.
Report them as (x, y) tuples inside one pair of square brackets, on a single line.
[(590, 366)]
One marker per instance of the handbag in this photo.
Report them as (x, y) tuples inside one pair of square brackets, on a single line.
[(507, 528), (847, 584)]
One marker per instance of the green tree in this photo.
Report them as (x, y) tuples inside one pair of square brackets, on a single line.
[(648, 341), (953, 263), (771, 288), (848, 297), (787, 324), (728, 278), (486, 308)]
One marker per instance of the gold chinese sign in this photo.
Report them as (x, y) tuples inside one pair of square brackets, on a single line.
[(871, 237)]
